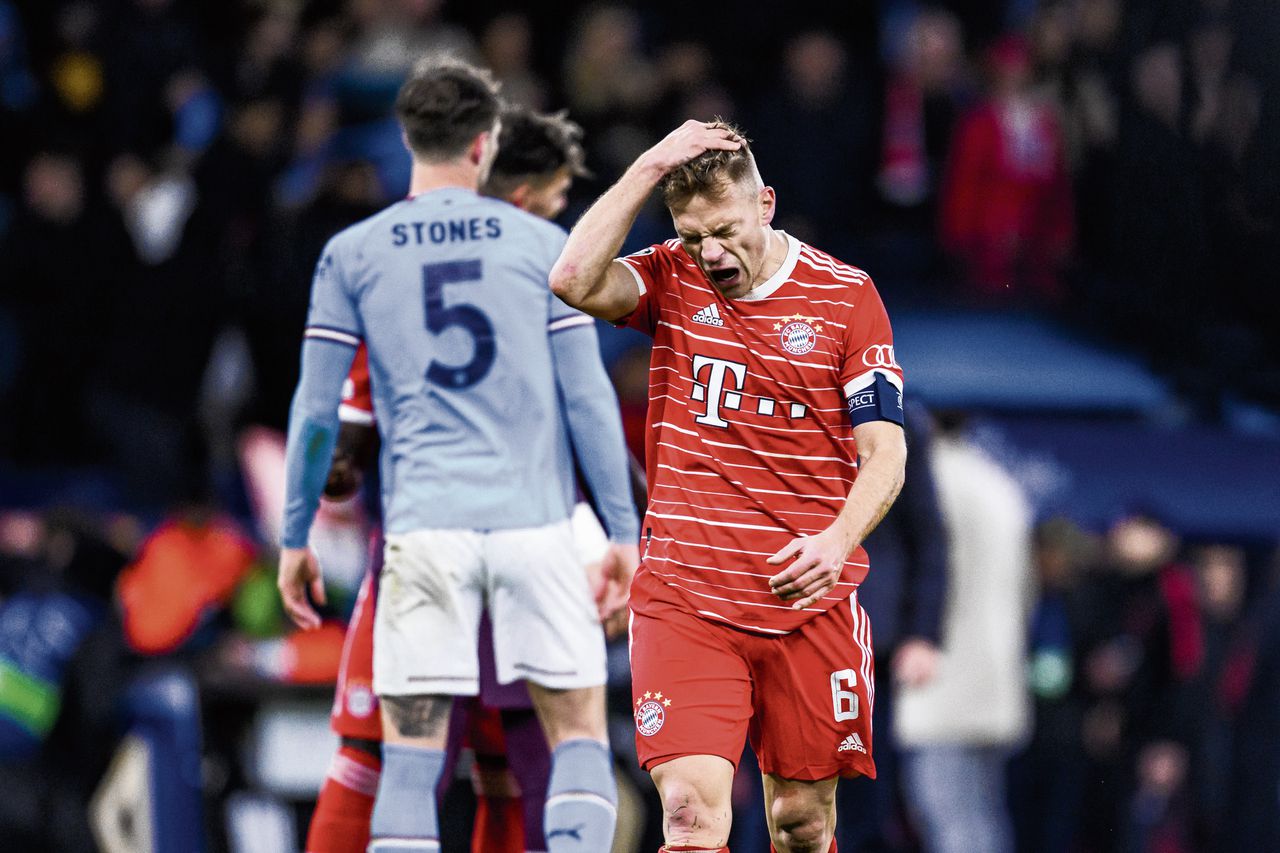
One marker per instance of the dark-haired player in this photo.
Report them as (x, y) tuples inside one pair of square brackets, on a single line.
[(482, 382), (538, 158), (774, 446)]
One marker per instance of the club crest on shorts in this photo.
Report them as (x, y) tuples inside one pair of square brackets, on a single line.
[(651, 713), (799, 336), (361, 702)]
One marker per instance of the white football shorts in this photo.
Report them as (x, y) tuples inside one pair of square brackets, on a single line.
[(435, 583)]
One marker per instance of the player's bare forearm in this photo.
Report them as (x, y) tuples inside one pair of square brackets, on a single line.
[(882, 465), (585, 276), (816, 561)]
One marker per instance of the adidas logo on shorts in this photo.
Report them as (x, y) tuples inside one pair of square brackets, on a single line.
[(709, 316), (852, 742)]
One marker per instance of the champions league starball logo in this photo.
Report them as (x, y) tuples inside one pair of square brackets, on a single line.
[(798, 335), (651, 713)]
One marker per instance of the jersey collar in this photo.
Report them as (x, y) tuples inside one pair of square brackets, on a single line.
[(441, 192), (781, 276)]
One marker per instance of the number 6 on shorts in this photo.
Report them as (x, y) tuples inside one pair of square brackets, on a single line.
[(844, 701)]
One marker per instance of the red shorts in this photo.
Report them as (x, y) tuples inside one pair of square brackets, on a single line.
[(699, 687), (355, 707)]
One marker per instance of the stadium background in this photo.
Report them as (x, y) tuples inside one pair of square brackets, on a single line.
[(1105, 330)]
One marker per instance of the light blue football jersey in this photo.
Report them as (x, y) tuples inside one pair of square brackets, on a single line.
[(449, 292)]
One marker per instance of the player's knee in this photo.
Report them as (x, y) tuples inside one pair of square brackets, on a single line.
[(690, 818), (807, 835), (801, 825)]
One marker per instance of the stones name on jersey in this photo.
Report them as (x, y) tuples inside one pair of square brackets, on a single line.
[(446, 231)]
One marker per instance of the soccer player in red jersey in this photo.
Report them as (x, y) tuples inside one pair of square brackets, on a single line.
[(538, 158), (774, 446)]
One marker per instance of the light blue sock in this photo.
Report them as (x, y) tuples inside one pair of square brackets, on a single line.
[(582, 798), (404, 813)]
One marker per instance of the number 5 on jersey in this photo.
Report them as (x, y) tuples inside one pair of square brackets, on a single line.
[(467, 317)]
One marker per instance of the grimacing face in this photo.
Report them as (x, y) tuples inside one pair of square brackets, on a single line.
[(729, 237)]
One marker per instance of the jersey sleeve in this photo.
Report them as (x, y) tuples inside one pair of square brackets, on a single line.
[(357, 392), (648, 268), (332, 315), (871, 376), (333, 333)]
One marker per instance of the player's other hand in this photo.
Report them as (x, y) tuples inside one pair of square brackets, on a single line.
[(686, 142), (300, 571), (915, 662), (617, 568), (816, 563)]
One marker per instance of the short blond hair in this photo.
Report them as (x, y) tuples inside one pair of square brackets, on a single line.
[(712, 172)]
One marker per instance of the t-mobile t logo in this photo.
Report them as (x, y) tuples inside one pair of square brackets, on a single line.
[(713, 388)]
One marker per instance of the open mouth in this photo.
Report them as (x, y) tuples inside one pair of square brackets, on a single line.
[(725, 277)]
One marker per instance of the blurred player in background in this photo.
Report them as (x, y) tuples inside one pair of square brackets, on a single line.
[(477, 480), (775, 439), (538, 158)]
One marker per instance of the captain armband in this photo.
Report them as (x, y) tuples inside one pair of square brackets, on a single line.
[(878, 400)]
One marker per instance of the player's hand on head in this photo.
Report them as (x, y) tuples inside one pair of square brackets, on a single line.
[(816, 563), (687, 141), (616, 571), (300, 572)]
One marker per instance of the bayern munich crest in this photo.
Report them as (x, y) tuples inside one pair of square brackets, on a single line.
[(798, 336), (651, 713), (360, 701)]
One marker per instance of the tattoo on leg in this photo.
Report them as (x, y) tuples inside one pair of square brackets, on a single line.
[(418, 716)]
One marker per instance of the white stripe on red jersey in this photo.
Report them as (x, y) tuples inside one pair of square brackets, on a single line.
[(749, 442)]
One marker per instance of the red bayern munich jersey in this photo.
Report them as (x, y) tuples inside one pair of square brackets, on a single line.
[(357, 394), (749, 441)]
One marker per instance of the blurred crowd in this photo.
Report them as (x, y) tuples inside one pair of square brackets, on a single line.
[(1113, 162), (174, 169)]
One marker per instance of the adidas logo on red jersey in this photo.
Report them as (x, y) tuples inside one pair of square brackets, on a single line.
[(709, 316), (852, 742)]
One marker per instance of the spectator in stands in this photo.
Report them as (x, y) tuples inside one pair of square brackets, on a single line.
[(1090, 90), (346, 192), (269, 67), (924, 93), (956, 745), (1007, 217), (63, 669), (814, 132), (689, 85), (1159, 207), (1242, 181), (611, 88), (1048, 778), (507, 47), (1141, 649), (149, 41), (62, 257), (158, 330), (1255, 820), (75, 101), (395, 34), (1219, 687)]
